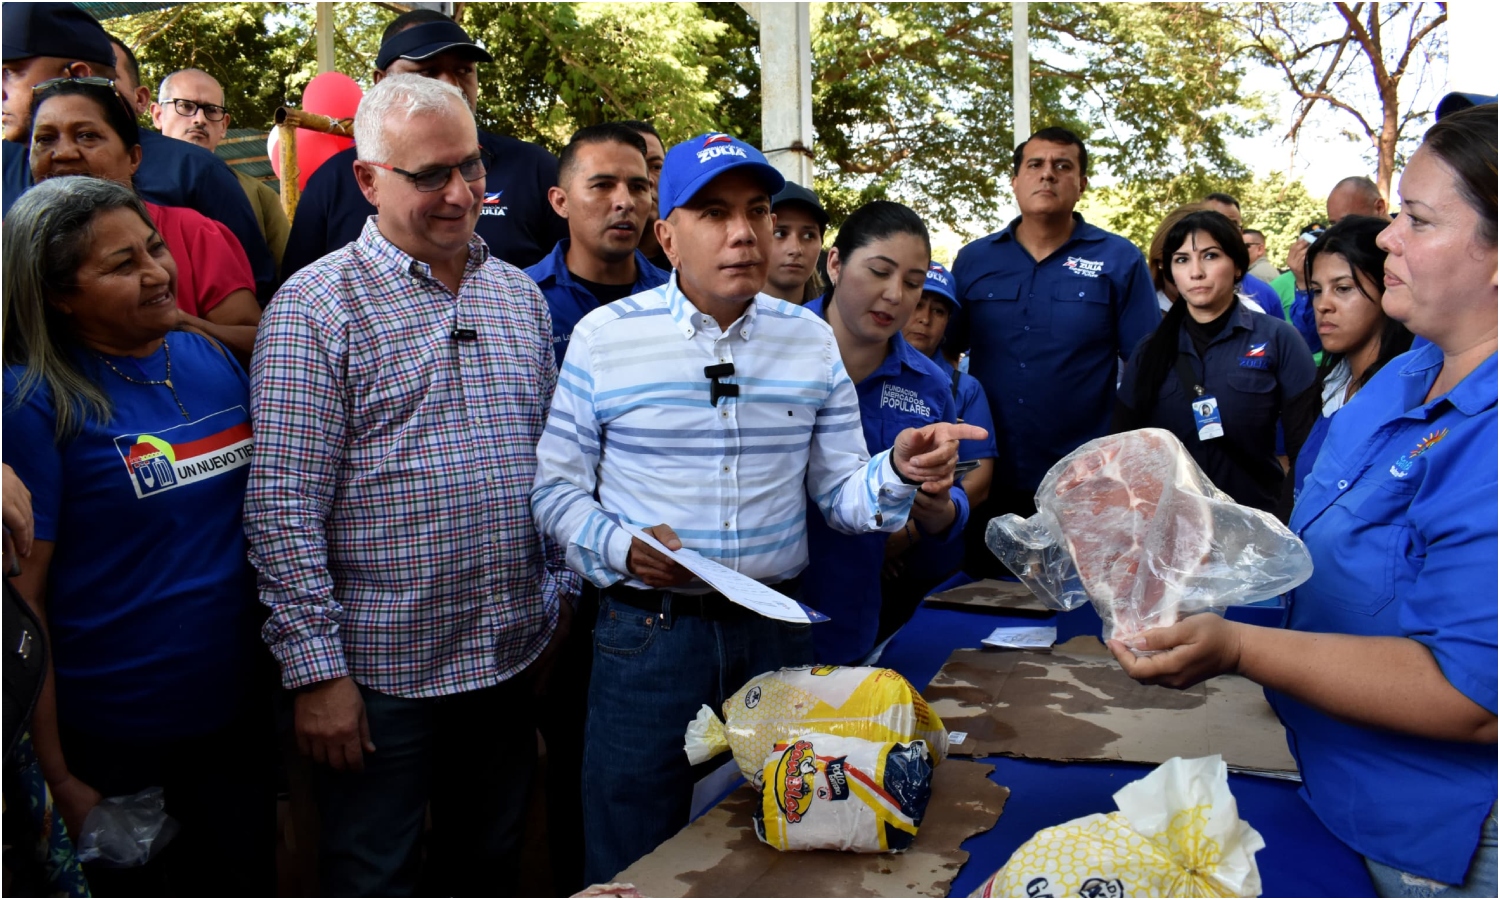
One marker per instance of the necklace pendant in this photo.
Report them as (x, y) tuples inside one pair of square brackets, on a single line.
[(167, 382)]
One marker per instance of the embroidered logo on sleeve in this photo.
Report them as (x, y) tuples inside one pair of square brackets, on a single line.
[(186, 454), (1402, 468)]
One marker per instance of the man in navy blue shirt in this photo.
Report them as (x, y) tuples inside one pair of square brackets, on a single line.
[(515, 221), (1054, 304), (59, 40), (604, 192)]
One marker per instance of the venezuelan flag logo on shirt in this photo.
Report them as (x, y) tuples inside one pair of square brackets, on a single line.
[(188, 453)]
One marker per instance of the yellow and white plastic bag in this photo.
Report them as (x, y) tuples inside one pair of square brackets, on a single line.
[(839, 793), (844, 701), (1178, 834)]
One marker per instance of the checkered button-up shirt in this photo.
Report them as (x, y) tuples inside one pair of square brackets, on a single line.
[(388, 509)]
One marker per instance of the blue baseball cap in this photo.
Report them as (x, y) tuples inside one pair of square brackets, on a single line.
[(1457, 100), (698, 160), (940, 282), (54, 29)]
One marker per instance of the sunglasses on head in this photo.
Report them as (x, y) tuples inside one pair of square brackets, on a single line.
[(51, 83)]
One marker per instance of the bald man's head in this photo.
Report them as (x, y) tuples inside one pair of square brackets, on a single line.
[(1355, 196)]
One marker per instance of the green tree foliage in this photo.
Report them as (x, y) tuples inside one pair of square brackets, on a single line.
[(912, 101)]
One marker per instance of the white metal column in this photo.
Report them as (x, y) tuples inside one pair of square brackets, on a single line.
[(1021, 71), (786, 124)]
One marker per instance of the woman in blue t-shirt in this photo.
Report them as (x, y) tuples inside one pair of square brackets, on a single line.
[(1385, 675), (876, 271), (134, 440)]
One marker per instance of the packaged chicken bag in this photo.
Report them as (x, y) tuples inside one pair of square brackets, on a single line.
[(823, 792), (1130, 522), (1178, 833), (845, 701)]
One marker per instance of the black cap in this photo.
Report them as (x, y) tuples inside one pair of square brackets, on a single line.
[(428, 39), (796, 193), (54, 29)]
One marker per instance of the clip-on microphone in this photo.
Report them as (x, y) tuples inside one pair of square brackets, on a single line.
[(718, 390)]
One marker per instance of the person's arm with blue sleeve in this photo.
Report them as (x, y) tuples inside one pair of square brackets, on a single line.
[(297, 408), (30, 449), (1439, 682), (1138, 313), (974, 409)]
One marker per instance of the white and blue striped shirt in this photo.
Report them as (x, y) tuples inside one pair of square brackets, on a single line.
[(633, 437)]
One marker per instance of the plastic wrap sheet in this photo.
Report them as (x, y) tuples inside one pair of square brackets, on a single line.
[(1132, 524)]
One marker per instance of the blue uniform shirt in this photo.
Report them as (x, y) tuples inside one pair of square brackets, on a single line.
[(1254, 367), (151, 601), (569, 301), (1399, 516), (517, 223), (937, 559), (1046, 338), (1263, 295), (842, 578), (177, 173)]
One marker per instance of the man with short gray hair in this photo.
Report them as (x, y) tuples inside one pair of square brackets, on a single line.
[(399, 388), (190, 107)]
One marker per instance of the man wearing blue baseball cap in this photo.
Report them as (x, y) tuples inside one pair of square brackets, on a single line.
[(915, 566), (43, 41), (723, 409), (516, 221)]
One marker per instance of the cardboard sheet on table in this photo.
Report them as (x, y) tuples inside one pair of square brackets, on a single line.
[(719, 855), (1010, 596), (1075, 703)]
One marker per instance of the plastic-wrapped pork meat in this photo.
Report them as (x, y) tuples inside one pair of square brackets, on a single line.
[(1131, 523), (1107, 502)]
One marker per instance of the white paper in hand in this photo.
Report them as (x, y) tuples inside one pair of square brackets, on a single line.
[(741, 589)]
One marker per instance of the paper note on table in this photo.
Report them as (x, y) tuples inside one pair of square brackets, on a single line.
[(1022, 637), (741, 589)]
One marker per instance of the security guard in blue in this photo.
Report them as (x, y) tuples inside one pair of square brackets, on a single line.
[(914, 566), (1385, 671), (1216, 373), (877, 268), (515, 221), (1054, 304), (604, 192)]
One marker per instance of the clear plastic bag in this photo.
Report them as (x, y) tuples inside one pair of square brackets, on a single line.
[(126, 832), (1131, 523)]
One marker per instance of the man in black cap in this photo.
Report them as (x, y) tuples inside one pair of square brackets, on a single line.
[(516, 221), (58, 40)]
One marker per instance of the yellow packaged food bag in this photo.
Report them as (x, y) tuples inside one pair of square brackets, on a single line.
[(840, 793), (845, 701), (1178, 834)]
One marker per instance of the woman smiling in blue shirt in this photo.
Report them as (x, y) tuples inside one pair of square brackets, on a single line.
[(1386, 673), (877, 268)]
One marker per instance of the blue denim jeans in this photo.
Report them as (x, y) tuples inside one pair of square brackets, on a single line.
[(652, 672), (1479, 882), (471, 756)]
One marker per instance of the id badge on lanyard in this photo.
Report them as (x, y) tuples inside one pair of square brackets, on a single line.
[(1205, 405)]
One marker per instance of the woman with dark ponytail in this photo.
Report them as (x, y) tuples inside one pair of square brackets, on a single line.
[(876, 271), (1214, 373), (1345, 276)]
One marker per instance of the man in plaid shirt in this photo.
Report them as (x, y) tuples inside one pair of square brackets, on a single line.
[(399, 388)]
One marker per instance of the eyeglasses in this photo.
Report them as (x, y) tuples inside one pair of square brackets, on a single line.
[(189, 108), (52, 83), (436, 178)]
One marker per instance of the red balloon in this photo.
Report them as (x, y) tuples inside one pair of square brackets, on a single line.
[(331, 94)]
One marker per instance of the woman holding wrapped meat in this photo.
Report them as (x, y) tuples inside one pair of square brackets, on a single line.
[(1386, 674), (1217, 373)]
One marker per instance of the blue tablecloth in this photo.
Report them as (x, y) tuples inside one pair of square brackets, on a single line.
[(1301, 857)]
